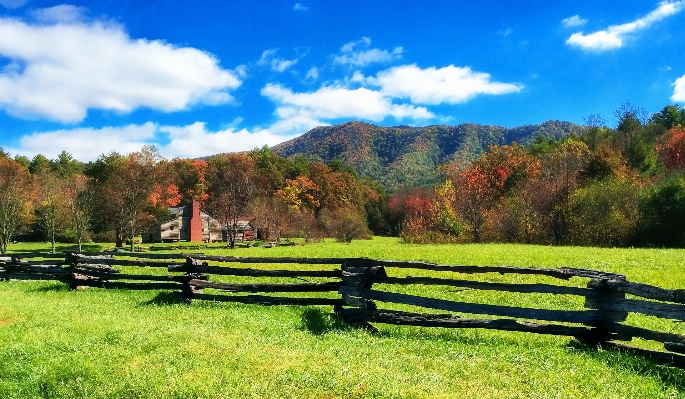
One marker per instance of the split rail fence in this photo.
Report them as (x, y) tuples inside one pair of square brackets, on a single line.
[(360, 285)]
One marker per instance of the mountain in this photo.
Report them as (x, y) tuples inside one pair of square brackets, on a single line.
[(409, 156)]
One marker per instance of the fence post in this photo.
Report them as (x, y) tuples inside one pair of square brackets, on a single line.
[(358, 275), (187, 289), (598, 295)]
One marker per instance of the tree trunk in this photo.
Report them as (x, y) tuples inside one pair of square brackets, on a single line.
[(119, 237), (52, 241)]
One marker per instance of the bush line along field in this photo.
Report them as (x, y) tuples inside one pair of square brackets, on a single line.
[(97, 343)]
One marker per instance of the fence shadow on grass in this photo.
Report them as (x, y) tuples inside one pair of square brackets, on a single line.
[(620, 358), (318, 321), (54, 287), (164, 299), (466, 337)]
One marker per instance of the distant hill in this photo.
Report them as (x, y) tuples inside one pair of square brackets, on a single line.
[(404, 155)]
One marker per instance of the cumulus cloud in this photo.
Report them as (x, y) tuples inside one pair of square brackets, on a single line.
[(613, 36), (340, 102), (358, 53), (679, 91), (59, 71), (573, 21), (432, 85), (194, 140), (277, 64), (86, 144)]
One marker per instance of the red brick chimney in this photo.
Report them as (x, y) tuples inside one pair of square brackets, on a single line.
[(195, 222)]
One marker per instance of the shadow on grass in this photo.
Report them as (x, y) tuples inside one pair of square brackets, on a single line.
[(164, 299), (619, 358), (60, 249), (319, 322), (52, 287)]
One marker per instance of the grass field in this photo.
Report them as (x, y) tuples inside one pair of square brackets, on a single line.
[(97, 343)]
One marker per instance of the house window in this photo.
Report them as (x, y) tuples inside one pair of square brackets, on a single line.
[(172, 227)]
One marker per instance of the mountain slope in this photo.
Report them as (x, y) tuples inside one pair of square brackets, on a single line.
[(404, 155)]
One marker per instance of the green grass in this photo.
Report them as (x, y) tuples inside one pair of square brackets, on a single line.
[(97, 343)]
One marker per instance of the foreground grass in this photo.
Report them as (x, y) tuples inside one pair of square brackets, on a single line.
[(117, 344)]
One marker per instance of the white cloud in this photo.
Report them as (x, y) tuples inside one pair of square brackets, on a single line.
[(352, 55), (65, 69), (575, 20), (277, 64), (679, 91), (339, 102), (86, 144), (11, 4), (63, 13), (613, 36), (449, 84), (300, 7), (313, 73), (196, 141)]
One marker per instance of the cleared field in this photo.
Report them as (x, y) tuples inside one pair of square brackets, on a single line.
[(98, 343)]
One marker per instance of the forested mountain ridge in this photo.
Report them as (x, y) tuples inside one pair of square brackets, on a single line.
[(409, 156)]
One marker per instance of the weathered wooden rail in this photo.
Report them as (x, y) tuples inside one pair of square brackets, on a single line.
[(360, 286)]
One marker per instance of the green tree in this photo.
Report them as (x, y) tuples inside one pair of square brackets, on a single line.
[(669, 117), (39, 163), (662, 211), (65, 165), (604, 213)]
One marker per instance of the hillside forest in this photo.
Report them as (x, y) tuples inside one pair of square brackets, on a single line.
[(594, 186)]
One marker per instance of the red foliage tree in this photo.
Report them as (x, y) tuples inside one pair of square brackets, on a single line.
[(672, 149)]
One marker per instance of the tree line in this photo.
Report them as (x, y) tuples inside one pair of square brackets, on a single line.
[(117, 197), (606, 186), (599, 186)]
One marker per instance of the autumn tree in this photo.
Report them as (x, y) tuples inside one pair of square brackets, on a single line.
[(604, 213), (300, 193), (671, 149), (189, 176), (230, 188), (79, 204), (271, 215), (16, 195), (124, 190), (559, 176), (52, 205), (502, 171), (344, 224), (417, 211)]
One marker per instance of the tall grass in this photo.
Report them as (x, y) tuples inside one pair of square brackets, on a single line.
[(97, 343)]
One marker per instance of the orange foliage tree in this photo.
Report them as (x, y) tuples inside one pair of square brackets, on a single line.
[(16, 195)]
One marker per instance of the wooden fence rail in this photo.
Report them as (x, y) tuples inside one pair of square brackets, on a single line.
[(358, 288)]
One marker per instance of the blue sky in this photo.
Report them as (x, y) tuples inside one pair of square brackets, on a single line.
[(200, 78)]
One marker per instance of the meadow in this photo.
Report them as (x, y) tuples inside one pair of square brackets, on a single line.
[(96, 343)]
